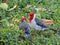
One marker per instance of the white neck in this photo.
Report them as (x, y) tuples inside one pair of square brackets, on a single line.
[(34, 16)]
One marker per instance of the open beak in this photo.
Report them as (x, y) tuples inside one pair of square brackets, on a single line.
[(28, 16)]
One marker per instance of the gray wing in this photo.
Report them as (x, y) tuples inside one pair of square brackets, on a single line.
[(25, 26), (40, 23)]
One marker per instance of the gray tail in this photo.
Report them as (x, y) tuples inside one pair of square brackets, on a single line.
[(53, 30)]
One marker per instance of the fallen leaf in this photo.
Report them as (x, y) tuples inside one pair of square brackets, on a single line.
[(15, 20), (12, 26), (38, 9), (12, 8), (28, 6), (47, 21), (33, 35), (4, 6)]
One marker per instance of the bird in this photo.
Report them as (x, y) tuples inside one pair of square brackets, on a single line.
[(25, 27), (37, 24)]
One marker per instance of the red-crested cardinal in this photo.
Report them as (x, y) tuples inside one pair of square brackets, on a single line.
[(25, 27), (37, 24)]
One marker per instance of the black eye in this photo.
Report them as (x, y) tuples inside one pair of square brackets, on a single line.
[(30, 15)]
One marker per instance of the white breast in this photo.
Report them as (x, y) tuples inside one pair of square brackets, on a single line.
[(35, 26)]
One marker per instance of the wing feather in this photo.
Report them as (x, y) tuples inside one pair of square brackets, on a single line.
[(40, 23)]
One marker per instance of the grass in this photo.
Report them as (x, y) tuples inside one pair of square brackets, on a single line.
[(10, 35)]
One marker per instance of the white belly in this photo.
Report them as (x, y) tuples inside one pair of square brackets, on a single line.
[(35, 26)]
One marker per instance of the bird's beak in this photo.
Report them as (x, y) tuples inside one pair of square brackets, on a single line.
[(28, 17)]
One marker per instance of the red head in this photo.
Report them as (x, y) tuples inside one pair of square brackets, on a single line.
[(31, 16), (23, 19)]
